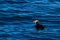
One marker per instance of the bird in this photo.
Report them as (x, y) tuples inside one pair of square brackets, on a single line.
[(38, 26)]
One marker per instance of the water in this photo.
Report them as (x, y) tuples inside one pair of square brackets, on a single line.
[(17, 16)]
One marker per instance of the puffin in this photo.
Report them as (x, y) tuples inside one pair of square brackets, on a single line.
[(38, 26)]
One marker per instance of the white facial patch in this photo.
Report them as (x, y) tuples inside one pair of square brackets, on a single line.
[(36, 21)]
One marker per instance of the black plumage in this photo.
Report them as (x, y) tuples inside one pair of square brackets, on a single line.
[(39, 27)]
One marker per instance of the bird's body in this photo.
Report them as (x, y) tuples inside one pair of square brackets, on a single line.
[(39, 27)]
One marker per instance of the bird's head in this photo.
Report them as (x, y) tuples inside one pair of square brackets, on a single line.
[(36, 21)]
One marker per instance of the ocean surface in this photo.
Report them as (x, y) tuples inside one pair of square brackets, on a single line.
[(17, 16)]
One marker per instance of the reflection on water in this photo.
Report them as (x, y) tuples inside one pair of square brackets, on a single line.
[(16, 19)]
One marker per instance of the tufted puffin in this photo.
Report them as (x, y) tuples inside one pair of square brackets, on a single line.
[(38, 26)]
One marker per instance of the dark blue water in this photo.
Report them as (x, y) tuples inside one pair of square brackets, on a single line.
[(17, 16)]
